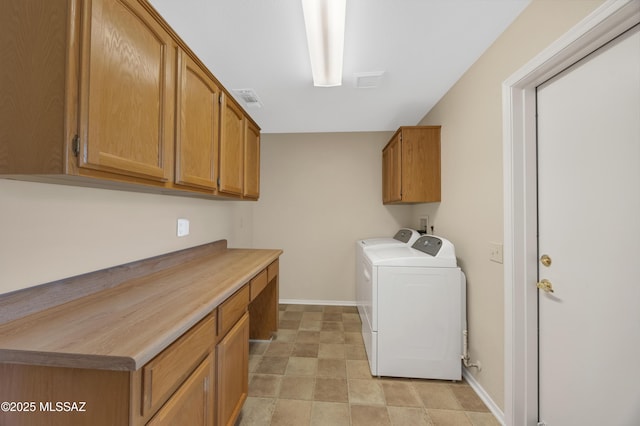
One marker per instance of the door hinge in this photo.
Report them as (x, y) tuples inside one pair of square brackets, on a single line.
[(75, 145), (220, 98), (218, 182)]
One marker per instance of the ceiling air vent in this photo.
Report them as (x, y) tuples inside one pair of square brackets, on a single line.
[(249, 97), (368, 80)]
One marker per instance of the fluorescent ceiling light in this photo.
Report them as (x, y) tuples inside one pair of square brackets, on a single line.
[(324, 20)]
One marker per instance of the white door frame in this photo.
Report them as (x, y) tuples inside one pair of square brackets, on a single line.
[(520, 207)]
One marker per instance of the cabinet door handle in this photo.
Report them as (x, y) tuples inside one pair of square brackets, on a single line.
[(75, 145)]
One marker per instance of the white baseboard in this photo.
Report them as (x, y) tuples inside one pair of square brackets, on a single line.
[(484, 396), (317, 302)]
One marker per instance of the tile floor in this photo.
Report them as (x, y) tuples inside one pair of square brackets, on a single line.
[(315, 372)]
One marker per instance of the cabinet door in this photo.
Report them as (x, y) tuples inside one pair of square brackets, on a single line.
[(251, 161), (126, 91), (392, 171), (192, 404), (197, 126), (420, 156), (233, 372), (35, 39), (231, 147), (386, 175)]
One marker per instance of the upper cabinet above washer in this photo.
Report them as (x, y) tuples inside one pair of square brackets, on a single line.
[(411, 166)]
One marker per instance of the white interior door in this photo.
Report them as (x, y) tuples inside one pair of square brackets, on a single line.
[(589, 226)]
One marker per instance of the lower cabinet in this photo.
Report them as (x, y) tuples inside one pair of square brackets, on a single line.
[(233, 372), (167, 372), (192, 404), (99, 397), (174, 388), (194, 381)]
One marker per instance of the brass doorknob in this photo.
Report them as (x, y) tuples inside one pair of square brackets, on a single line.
[(545, 285), (545, 260)]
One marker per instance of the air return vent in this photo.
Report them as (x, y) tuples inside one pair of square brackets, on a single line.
[(249, 97)]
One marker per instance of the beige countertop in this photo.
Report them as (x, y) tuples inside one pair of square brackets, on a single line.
[(124, 327)]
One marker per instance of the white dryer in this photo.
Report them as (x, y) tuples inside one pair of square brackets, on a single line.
[(415, 310), (405, 237)]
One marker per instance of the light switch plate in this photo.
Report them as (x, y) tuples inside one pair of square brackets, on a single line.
[(183, 227), (495, 252)]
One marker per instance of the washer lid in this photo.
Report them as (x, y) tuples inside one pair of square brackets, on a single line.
[(429, 251)]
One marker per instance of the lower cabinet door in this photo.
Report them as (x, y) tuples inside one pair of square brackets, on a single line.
[(233, 372), (192, 404)]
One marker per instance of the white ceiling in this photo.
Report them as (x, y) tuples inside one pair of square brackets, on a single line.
[(423, 47)]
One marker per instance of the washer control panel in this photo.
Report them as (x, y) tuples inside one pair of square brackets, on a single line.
[(428, 244), (403, 235)]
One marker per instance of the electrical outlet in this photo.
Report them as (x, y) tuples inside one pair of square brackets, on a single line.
[(183, 227), (423, 223), (495, 252)]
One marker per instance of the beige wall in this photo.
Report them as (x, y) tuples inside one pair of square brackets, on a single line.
[(471, 211), (321, 193), (53, 231)]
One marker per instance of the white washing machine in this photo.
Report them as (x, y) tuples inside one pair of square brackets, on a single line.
[(415, 310), (403, 238)]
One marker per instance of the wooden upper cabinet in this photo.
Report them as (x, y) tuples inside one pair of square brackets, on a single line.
[(251, 161), (36, 103), (104, 93), (126, 91), (391, 171), (197, 118), (231, 148), (411, 166)]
